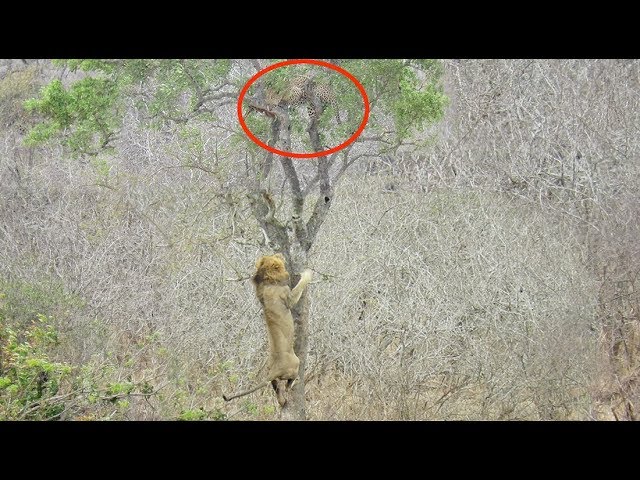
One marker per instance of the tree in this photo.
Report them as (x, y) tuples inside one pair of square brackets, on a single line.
[(405, 97)]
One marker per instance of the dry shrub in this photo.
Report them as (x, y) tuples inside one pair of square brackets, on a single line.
[(456, 304)]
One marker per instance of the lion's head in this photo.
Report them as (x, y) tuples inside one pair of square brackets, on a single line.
[(271, 269)]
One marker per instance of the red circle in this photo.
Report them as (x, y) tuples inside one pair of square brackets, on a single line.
[(342, 71)]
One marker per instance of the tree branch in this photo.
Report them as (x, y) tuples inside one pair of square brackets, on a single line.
[(323, 202), (311, 183), (298, 201), (256, 64), (262, 203)]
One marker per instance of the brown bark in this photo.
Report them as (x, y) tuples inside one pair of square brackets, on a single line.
[(294, 248), (295, 408)]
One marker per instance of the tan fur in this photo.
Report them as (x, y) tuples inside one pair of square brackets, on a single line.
[(272, 289)]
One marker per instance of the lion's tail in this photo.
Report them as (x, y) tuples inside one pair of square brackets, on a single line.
[(246, 392)]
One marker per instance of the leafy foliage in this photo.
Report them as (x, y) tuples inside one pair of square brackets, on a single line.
[(29, 380), (86, 106), (88, 113), (408, 90), (33, 384)]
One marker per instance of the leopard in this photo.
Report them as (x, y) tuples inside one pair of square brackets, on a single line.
[(302, 92)]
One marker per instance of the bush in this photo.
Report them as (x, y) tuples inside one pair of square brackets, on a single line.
[(457, 304), (15, 88), (21, 302), (32, 386)]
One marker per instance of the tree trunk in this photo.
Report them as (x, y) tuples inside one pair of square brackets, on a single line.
[(295, 408), (294, 245)]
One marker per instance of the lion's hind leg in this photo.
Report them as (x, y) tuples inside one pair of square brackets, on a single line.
[(279, 389)]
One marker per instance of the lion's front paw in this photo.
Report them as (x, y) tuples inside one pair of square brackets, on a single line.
[(306, 276)]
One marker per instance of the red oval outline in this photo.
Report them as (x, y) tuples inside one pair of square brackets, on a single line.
[(323, 153)]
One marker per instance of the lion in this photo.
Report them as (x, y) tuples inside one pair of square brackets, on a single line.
[(272, 289)]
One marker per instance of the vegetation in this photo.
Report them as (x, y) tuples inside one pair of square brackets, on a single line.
[(475, 250)]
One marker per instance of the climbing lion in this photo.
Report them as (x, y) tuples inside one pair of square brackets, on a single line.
[(272, 289)]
